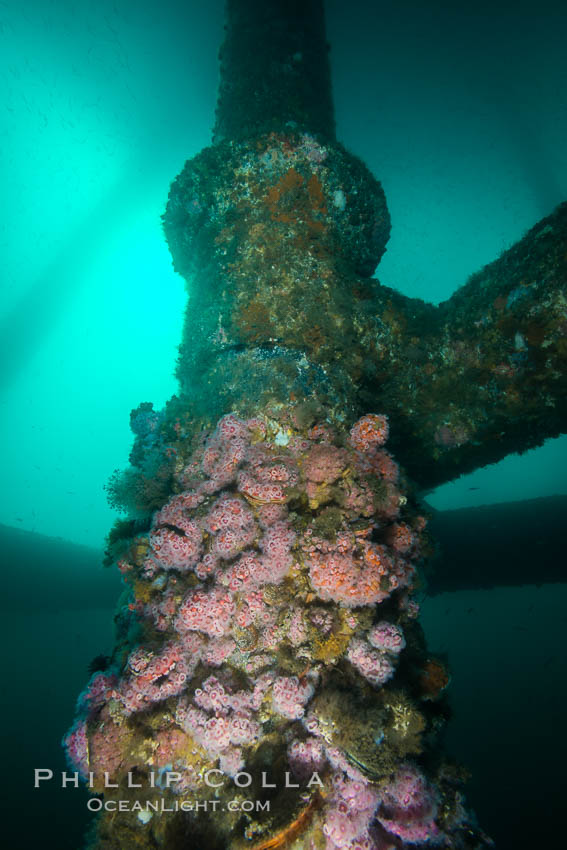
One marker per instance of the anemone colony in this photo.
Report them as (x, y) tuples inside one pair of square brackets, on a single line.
[(270, 685), (268, 651)]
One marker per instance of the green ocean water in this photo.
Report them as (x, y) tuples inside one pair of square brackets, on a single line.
[(461, 111), (508, 694)]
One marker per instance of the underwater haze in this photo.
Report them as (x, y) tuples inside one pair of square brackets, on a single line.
[(460, 110)]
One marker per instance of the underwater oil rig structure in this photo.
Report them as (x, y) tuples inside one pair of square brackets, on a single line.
[(270, 685)]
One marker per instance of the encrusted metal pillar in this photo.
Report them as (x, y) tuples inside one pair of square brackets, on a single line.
[(270, 685), (278, 230), (272, 235), (275, 72)]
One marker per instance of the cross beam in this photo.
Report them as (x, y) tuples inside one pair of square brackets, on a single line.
[(278, 230)]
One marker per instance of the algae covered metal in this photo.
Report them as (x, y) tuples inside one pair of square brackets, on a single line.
[(270, 685)]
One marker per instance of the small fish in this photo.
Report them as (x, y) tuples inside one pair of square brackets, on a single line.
[(470, 610), (474, 488)]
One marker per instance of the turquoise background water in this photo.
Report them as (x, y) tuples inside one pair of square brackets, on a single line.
[(461, 112)]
